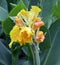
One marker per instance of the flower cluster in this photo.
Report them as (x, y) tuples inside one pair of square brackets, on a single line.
[(27, 24)]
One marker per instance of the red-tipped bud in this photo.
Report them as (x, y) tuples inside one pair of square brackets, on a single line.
[(38, 24)]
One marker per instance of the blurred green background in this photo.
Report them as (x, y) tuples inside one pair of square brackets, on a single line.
[(49, 49)]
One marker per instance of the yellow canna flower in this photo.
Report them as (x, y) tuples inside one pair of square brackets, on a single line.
[(32, 14), (22, 15), (22, 36), (19, 22), (22, 12), (25, 35), (36, 9), (14, 34), (26, 23)]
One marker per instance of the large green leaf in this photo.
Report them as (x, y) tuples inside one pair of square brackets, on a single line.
[(57, 9), (46, 44), (26, 2), (3, 4), (3, 14), (47, 11), (5, 55), (53, 55), (8, 23), (19, 7), (3, 10)]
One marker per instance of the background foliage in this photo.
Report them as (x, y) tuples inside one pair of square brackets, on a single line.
[(49, 49)]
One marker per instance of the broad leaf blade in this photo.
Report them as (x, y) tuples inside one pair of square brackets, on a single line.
[(53, 56), (19, 7), (3, 9), (56, 9), (3, 14), (47, 11), (3, 4), (26, 2), (5, 55), (8, 24), (46, 44)]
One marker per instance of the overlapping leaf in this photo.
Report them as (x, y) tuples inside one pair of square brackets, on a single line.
[(8, 23), (53, 55)]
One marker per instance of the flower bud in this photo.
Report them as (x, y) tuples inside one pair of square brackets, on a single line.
[(38, 24), (40, 36)]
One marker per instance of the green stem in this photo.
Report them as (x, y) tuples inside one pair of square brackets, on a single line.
[(36, 51), (14, 59), (35, 55), (32, 53), (15, 55)]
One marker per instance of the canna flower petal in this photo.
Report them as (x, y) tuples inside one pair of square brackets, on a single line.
[(14, 33), (35, 9), (22, 12), (26, 35), (33, 13), (10, 44), (19, 22), (40, 37)]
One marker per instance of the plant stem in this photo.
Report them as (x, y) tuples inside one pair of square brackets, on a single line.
[(15, 55), (35, 55), (14, 59)]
